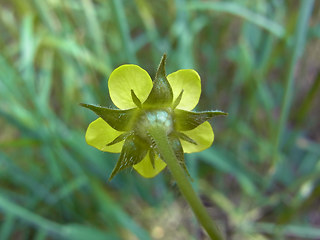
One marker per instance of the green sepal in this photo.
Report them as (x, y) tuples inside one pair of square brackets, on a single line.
[(118, 119), (120, 138), (135, 99), (133, 151), (178, 150), (178, 100), (186, 138), (152, 157), (161, 93), (185, 120)]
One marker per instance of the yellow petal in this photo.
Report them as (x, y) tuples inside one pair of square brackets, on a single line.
[(189, 81), (99, 134), (145, 169), (125, 78), (203, 135)]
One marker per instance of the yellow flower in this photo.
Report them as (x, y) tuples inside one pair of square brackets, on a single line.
[(167, 102)]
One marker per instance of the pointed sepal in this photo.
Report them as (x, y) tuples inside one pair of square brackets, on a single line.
[(135, 99), (186, 138), (185, 120), (133, 151), (152, 157), (178, 100), (161, 93), (120, 120), (178, 150), (120, 138)]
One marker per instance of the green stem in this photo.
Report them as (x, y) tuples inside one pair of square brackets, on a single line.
[(166, 151)]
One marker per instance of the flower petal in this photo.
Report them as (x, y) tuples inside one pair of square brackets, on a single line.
[(145, 169), (202, 135), (189, 81), (125, 78), (99, 134)]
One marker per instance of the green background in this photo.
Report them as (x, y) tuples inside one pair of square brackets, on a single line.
[(258, 60)]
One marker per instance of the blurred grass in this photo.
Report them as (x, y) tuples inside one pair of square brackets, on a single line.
[(259, 61)]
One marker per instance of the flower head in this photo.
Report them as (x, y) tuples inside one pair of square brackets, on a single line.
[(166, 102)]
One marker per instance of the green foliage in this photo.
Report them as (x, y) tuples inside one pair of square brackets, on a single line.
[(258, 61)]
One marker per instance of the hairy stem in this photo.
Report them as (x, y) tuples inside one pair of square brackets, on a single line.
[(160, 137)]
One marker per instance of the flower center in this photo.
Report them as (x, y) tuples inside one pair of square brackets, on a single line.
[(153, 118)]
